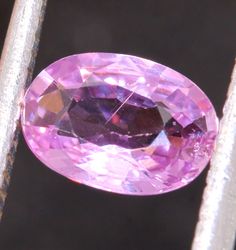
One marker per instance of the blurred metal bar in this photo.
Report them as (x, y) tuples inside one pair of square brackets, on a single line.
[(16, 67), (217, 219)]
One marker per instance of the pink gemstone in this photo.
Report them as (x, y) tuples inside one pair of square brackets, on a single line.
[(119, 123)]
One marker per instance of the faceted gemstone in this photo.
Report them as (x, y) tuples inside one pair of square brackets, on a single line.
[(119, 123)]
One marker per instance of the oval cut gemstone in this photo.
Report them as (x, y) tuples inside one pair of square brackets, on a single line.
[(119, 123)]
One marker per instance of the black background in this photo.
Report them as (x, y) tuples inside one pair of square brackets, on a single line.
[(45, 211)]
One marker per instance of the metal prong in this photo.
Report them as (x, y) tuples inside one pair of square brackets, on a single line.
[(217, 220), (16, 67)]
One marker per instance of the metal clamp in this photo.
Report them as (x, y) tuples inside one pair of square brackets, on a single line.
[(16, 65)]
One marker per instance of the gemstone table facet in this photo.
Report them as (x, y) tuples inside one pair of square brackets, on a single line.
[(119, 123)]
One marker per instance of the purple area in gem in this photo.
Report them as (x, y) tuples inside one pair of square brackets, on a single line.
[(128, 119)]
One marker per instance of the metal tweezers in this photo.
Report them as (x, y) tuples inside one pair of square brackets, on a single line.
[(216, 226)]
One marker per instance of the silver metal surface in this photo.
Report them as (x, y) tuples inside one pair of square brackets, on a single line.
[(16, 66), (217, 219)]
